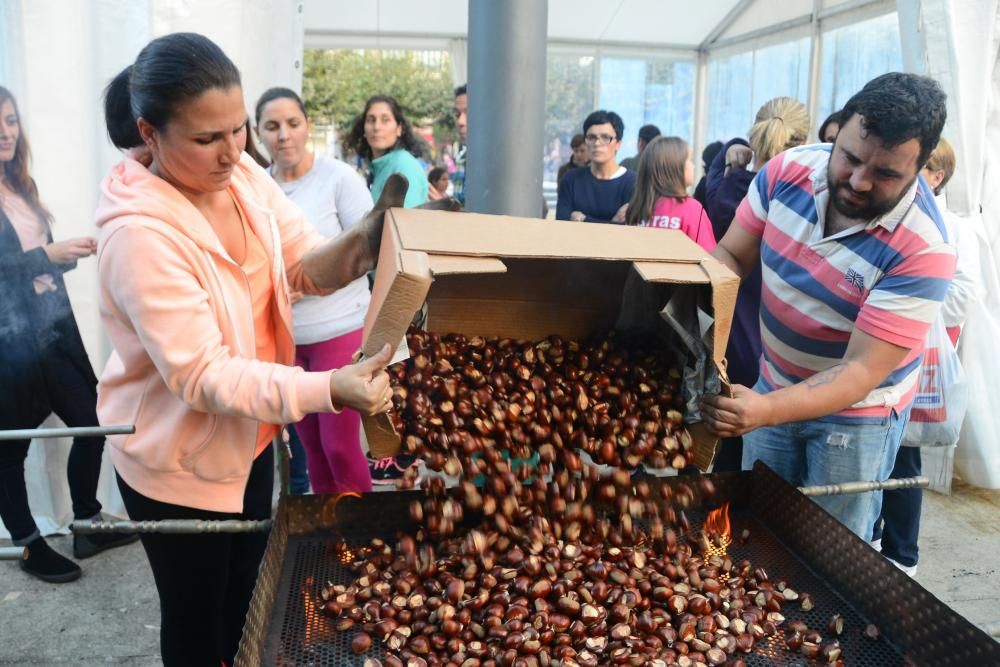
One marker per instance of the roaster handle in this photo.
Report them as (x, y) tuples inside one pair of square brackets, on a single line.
[(861, 487)]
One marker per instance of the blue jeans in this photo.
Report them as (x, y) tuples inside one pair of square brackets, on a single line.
[(298, 474), (815, 452)]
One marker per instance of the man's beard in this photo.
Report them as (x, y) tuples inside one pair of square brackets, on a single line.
[(870, 209)]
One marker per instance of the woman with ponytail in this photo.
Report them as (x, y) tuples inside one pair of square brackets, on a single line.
[(44, 367), (782, 123), (197, 254)]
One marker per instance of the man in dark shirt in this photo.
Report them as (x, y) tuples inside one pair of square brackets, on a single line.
[(597, 193), (707, 155), (646, 134)]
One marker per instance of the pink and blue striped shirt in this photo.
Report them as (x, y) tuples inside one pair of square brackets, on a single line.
[(886, 278)]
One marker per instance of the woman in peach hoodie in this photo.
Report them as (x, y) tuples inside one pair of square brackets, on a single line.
[(197, 252)]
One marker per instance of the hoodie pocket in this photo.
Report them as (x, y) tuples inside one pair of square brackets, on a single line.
[(223, 457), (168, 434)]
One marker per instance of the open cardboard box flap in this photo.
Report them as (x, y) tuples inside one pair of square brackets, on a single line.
[(512, 296)]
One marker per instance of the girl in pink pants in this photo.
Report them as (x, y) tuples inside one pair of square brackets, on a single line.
[(332, 440), (334, 198)]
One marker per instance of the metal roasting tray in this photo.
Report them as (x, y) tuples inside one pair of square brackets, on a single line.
[(790, 536)]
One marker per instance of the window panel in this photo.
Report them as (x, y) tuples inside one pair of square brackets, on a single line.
[(640, 90), (648, 91), (570, 91), (738, 85), (730, 97), (853, 56), (779, 71)]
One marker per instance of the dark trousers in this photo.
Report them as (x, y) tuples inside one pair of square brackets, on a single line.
[(73, 397), (899, 524), (729, 457), (205, 581)]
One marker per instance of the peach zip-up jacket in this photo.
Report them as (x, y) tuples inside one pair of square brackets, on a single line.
[(178, 311)]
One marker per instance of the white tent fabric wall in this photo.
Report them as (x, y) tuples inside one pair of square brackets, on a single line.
[(956, 42), (977, 459), (65, 54)]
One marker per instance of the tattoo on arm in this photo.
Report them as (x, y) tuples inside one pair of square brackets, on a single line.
[(825, 377)]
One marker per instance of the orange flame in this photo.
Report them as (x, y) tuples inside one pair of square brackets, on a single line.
[(717, 521), (316, 629), (718, 527)]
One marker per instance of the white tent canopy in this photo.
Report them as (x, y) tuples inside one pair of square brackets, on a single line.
[(57, 56), (662, 25)]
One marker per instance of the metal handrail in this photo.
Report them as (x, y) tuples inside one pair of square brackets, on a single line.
[(173, 526), (66, 432)]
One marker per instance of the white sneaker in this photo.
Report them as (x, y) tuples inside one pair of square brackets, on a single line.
[(877, 544), (909, 570)]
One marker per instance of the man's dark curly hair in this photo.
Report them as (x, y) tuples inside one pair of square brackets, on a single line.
[(897, 107)]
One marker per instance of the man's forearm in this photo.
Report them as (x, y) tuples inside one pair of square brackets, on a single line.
[(340, 261), (727, 258), (825, 393)]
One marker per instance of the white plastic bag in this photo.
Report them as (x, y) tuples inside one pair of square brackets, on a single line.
[(942, 394)]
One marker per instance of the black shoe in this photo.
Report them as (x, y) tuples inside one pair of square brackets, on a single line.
[(40, 560), (91, 544)]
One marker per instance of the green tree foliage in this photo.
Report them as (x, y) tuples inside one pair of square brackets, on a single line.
[(569, 95), (336, 83)]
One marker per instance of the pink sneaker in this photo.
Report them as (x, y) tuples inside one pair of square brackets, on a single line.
[(388, 470)]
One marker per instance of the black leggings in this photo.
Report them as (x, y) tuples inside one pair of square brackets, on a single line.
[(204, 581), (73, 397)]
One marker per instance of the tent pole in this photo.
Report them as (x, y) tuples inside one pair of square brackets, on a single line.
[(815, 66), (699, 126), (507, 41)]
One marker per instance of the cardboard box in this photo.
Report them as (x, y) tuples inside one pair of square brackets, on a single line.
[(526, 278)]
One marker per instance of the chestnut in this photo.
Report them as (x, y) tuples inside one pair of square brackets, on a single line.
[(361, 642)]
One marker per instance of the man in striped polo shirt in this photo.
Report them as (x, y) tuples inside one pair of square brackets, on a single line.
[(855, 266)]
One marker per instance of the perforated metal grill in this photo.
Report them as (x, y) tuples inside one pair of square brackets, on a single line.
[(306, 637), (790, 536), (764, 549)]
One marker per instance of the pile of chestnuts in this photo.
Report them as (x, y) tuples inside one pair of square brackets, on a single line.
[(459, 394), (535, 559)]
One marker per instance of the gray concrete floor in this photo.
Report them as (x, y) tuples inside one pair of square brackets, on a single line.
[(110, 615)]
